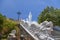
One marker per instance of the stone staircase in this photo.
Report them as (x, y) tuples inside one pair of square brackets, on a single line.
[(56, 35)]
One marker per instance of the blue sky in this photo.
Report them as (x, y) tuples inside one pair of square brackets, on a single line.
[(11, 7)]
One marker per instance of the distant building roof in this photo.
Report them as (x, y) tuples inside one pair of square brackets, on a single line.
[(57, 28)]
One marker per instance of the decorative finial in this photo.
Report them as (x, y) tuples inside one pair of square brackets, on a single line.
[(30, 16)]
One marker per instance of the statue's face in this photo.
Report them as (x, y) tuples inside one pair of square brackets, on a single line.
[(48, 26)]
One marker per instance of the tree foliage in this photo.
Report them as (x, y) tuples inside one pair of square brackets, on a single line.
[(50, 14), (6, 25), (1, 21)]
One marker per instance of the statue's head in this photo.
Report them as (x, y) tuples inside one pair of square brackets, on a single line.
[(49, 24)]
